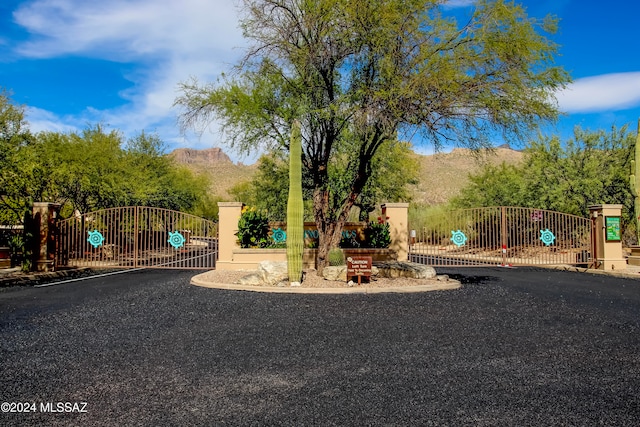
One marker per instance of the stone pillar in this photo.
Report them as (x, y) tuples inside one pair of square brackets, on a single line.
[(608, 248), (228, 217), (44, 235), (397, 215)]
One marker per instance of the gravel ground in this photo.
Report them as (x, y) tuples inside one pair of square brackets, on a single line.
[(521, 347), (312, 280)]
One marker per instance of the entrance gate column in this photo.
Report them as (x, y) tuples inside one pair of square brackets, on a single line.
[(607, 239), (397, 215), (43, 229), (229, 215)]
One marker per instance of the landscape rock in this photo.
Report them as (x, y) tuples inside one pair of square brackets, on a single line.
[(250, 280), (395, 269), (270, 273), (337, 272), (273, 272)]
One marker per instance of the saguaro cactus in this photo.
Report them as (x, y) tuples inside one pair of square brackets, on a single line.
[(635, 183), (295, 208)]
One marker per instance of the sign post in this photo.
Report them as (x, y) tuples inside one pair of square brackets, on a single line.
[(359, 266)]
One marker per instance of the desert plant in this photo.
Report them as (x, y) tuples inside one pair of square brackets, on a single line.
[(377, 235), (253, 229), (336, 257), (295, 207)]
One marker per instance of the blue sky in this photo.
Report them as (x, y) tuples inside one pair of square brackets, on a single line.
[(119, 62)]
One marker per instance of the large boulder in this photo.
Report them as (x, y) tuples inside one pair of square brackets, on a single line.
[(394, 269), (269, 273), (273, 272)]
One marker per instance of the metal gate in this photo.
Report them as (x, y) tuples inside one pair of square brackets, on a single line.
[(136, 236), (502, 236)]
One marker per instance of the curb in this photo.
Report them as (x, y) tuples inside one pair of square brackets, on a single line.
[(362, 289)]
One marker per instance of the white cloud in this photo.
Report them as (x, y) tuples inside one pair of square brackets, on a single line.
[(607, 92), (125, 29), (42, 120), (165, 42)]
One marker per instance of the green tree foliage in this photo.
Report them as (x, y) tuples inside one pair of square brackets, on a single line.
[(390, 177), (15, 138), (358, 72), (501, 185), (389, 182), (268, 189), (590, 168), (89, 170)]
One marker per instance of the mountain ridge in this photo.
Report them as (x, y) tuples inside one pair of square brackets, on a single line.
[(441, 177)]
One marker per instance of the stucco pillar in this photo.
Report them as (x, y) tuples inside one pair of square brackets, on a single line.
[(397, 215), (608, 245), (228, 217), (44, 235)]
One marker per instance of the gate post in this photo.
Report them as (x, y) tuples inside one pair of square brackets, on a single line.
[(398, 219), (608, 244), (44, 235), (228, 217)]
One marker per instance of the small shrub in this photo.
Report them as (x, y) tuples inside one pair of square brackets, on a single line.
[(253, 229), (20, 252), (377, 235), (336, 257)]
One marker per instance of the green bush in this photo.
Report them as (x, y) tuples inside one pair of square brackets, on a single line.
[(253, 229), (377, 235)]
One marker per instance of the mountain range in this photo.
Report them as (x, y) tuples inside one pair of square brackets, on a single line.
[(442, 175)]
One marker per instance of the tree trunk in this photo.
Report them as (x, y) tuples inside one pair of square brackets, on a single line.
[(329, 231)]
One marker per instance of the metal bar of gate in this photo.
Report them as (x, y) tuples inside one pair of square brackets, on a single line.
[(503, 235), (136, 237)]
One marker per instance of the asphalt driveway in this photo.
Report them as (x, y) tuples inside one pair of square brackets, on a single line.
[(516, 347)]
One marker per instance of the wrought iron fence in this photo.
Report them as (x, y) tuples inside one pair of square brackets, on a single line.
[(136, 236), (503, 236)]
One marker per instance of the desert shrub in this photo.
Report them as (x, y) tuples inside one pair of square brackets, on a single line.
[(377, 234), (253, 229)]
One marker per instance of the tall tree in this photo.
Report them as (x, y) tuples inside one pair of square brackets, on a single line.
[(90, 170), (14, 138), (359, 72)]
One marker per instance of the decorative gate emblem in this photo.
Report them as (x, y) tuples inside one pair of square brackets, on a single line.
[(547, 236), (458, 238), (95, 238), (176, 239), (279, 235)]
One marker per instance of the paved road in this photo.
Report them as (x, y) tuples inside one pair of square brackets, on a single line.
[(521, 347)]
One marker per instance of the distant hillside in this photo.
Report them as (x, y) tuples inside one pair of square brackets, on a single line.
[(442, 175), (217, 165)]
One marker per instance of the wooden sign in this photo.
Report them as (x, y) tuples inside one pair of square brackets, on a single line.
[(359, 266)]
